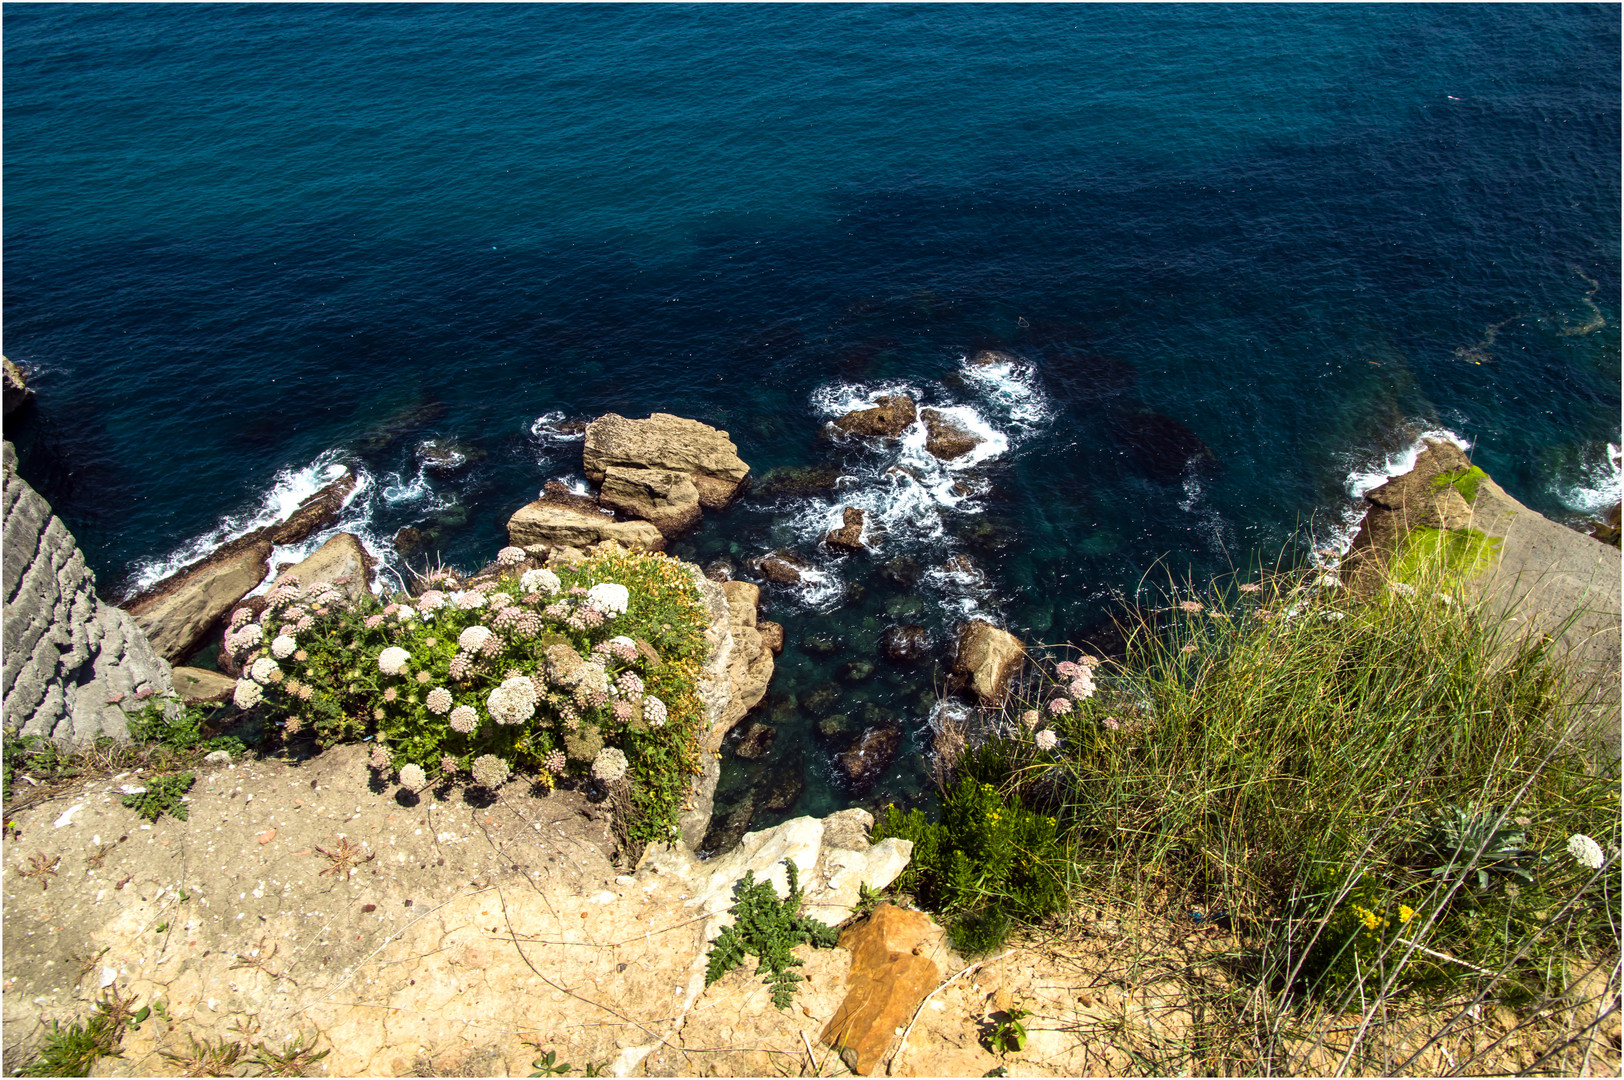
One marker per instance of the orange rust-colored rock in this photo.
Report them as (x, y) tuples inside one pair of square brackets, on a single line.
[(888, 980)]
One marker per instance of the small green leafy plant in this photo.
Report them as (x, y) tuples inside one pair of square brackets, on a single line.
[(1464, 843), (548, 1065), (1009, 1037), (987, 862), (162, 796), (72, 1049), (768, 928)]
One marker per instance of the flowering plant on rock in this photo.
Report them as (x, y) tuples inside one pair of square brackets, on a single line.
[(587, 671)]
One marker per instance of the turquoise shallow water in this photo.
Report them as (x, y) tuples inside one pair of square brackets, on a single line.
[(1243, 254)]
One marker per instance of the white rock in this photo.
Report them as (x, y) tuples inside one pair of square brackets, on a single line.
[(67, 815), (217, 757)]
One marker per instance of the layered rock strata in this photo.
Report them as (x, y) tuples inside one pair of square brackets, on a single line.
[(669, 443), (179, 613), (72, 664)]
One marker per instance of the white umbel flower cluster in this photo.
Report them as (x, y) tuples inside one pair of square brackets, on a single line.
[(263, 670), (247, 694), (392, 661), (540, 581), (511, 556), (283, 647), (1586, 851), (472, 638), (513, 702), (609, 765), (609, 598), (412, 778)]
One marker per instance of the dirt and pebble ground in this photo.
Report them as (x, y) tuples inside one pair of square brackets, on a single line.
[(454, 935)]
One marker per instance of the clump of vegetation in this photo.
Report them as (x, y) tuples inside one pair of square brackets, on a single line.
[(987, 861), (588, 670), (768, 928), (163, 795), (1376, 789), (73, 1049)]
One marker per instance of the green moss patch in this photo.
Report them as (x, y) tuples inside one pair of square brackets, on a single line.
[(1459, 553), (1465, 481)]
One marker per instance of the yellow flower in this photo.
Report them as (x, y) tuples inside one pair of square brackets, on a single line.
[(1368, 917), (1405, 913)]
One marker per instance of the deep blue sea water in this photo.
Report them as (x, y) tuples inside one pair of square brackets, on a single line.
[(1245, 256)]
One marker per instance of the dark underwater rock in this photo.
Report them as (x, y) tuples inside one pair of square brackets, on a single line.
[(905, 644), (869, 757)]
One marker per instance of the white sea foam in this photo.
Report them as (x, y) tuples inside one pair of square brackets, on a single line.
[(1598, 485), (1366, 476), (1013, 387), (838, 399), (545, 428), (289, 488), (1369, 477), (819, 590)]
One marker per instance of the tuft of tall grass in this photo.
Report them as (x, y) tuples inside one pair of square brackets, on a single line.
[(1377, 792)]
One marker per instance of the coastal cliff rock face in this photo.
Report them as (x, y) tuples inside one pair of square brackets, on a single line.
[(732, 682), (891, 973), (1548, 578), (16, 391), (70, 661), (666, 442), (888, 419), (179, 613), (988, 658)]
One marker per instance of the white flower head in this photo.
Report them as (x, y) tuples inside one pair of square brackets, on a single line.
[(438, 701), (472, 638), (392, 661), (514, 701), (283, 647), (609, 765), (1586, 851), (609, 598), (1047, 740), (468, 600), (464, 718), (263, 669), (511, 556), (542, 581), (247, 694), (412, 777)]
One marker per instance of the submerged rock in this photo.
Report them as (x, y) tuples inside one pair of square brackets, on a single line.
[(802, 481), (445, 456), (989, 357), (783, 787), (889, 418), (822, 701), (869, 757), (905, 644), (756, 741), (854, 671), (821, 644)]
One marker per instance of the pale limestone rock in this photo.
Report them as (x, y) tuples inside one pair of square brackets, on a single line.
[(988, 657), (551, 525), (664, 441)]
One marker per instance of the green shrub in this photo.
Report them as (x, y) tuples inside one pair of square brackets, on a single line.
[(768, 928), (162, 796), (986, 862), (498, 675)]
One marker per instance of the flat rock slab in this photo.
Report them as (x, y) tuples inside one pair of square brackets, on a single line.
[(664, 441), (891, 972)]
